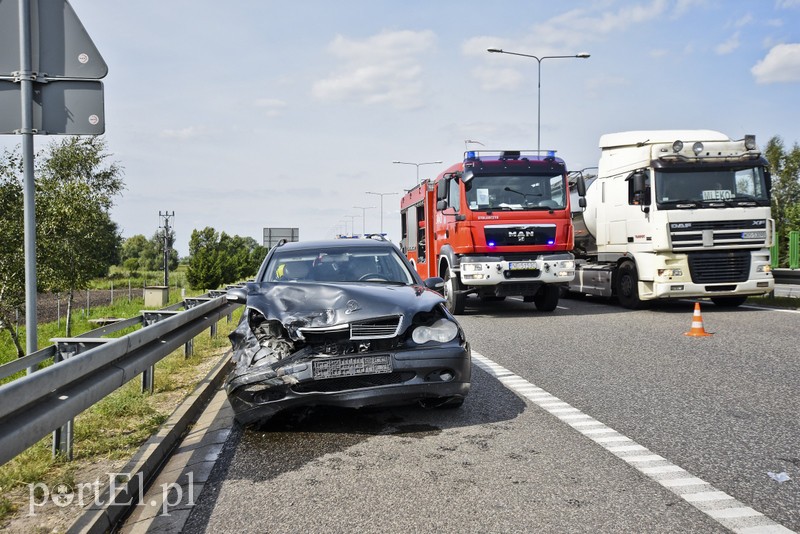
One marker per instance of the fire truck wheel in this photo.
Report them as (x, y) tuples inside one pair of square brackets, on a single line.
[(547, 298), (627, 286), (455, 301)]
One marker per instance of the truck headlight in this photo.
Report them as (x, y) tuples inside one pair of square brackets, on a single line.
[(471, 267), (441, 331), (568, 264), (669, 273), (766, 268)]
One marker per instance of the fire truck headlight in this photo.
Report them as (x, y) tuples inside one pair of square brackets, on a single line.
[(471, 267), (568, 264)]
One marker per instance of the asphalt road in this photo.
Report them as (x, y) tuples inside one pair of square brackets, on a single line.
[(723, 408)]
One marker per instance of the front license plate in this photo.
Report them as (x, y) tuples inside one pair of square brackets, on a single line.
[(521, 265), (754, 235), (354, 366)]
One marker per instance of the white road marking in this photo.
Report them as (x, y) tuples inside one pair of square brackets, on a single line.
[(727, 511)]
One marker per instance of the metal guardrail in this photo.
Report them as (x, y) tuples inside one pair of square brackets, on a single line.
[(786, 276), (46, 400)]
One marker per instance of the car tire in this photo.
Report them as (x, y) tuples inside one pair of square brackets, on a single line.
[(729, 302), (546, 299), (455, 301)]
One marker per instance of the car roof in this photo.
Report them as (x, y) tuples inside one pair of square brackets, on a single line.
[(327, 243)]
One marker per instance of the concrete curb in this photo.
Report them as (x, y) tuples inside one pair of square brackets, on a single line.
[(117, 500)]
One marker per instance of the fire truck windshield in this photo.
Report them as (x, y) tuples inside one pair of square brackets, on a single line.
[(710, 188), (516, 192)]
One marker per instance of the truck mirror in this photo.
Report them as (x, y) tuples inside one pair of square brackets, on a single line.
[(421, 224), (768, 180), (639, 182), (441, 205), (441, 190), (582, 201), (580, 184)]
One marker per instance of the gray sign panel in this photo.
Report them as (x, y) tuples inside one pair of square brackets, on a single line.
[(65, 107), (273, 235), (61, 46)]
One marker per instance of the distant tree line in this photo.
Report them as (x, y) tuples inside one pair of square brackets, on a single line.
[(217, 259)]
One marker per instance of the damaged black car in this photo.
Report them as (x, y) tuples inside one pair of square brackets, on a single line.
[(344, 323)]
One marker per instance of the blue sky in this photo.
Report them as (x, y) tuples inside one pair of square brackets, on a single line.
[(242, 115)]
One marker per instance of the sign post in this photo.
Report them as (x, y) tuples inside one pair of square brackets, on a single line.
[(49, 69)]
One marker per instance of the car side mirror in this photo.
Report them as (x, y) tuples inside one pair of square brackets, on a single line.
[(436, 283), (236, 294)]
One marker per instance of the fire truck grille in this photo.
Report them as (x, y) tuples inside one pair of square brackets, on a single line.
[(719, 267)]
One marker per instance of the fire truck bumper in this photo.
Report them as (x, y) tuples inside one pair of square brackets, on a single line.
[(540, 269)]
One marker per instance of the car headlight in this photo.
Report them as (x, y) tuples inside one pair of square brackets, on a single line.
[(441, 331)]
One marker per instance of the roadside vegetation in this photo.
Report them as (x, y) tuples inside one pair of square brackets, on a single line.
[(108, 434)]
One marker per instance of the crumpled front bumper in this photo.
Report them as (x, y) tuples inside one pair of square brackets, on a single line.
[(422, 373)]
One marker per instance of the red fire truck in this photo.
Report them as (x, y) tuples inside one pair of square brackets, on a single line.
[(494, 225)]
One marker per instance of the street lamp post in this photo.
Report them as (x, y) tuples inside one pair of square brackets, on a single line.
[(364, 218), (417, 165), (352, 222), (381, 195), (582, 55)]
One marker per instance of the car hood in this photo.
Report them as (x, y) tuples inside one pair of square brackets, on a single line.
[(301, 305)]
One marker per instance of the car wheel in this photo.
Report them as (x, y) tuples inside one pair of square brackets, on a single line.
[(547, 298), (627, 286), (728, 302), (455, 301)]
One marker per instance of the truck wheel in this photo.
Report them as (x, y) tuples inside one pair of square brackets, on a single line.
[(455, 301), (728, 302), (547, 298), (527, 298), (627, 282)]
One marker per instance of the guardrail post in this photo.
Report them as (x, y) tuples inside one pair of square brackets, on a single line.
[(214, 330), (188, 349), (794, 249), (148, 379), (66, 348)]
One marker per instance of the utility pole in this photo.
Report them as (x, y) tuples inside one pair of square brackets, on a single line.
[(167, 245)]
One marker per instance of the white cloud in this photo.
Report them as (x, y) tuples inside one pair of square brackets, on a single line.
[(384, 68), (729, 45), (273, 107), (781, 64), (744, 21), (184, 133), (787, 4)]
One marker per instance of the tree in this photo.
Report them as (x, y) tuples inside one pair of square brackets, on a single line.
[(75, 192), (785, 170), (217, 259), (12, 254)]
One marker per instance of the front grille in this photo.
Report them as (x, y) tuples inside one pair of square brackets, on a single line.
[(353, 382), (730, 234), (375, 328), (719, 267)]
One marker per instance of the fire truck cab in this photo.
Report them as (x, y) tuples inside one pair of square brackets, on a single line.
[(496, 224)]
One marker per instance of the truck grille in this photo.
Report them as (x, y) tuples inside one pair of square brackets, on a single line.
[(719, 267), (730, 234), (504, 235)]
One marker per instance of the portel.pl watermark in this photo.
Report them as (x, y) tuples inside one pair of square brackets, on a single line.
[(63, 495)]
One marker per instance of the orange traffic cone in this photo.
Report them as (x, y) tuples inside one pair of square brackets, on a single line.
[(697, 324)]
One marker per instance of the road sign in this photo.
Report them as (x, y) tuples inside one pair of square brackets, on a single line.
[(66, 107), (61, 47)]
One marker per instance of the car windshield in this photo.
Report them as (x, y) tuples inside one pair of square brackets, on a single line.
[(339, 264), (709, 187), (515, 192)]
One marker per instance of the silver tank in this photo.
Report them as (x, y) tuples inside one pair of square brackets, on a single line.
[(584, 220)]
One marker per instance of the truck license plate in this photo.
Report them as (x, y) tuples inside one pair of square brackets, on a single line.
[(353, 366), (754, 235), (521, 265)]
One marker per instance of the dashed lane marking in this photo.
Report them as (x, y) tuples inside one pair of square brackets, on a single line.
[(716, 504)]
